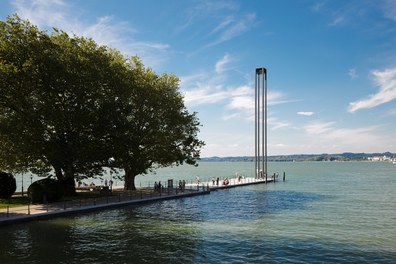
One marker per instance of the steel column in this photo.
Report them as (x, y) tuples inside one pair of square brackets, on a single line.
[(260, 126)]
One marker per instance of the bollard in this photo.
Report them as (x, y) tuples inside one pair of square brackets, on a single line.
[(47, 207), (8, 210), (284, 176), (28, 209)]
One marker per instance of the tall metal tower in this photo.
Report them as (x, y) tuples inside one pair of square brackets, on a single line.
[(260, 119)]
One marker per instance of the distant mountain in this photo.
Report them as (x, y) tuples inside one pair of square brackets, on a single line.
[(346, 156)]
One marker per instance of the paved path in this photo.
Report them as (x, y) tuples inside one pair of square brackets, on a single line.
[(119, 198)]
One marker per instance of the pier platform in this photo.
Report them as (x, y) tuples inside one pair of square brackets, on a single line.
[(232, 183)]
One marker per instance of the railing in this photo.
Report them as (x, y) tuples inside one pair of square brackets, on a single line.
[(116, 196)]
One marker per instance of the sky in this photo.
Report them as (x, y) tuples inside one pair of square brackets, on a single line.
[(331, 64)]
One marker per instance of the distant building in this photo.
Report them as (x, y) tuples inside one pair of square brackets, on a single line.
[(380, 158)]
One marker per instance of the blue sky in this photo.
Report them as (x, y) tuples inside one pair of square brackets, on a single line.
[(331, 64)]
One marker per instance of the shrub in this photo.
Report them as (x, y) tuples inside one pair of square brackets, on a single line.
[(45, 190), (7, 185)]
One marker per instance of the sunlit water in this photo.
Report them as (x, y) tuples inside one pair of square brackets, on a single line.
[(325, 212)]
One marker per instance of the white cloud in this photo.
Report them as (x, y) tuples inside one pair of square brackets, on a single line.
[(305, 113), (222, 63), (106, 30), (242, 102), (42, 12), (327, 137), (203, 96), (386, 81)]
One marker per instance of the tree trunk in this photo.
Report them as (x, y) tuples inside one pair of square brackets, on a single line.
[(67, 181), (129, 183), (69, 187)]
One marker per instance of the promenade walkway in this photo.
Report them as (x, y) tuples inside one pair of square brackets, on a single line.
[(118, 198)]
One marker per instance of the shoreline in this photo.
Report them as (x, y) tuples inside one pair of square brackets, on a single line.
[(119, 198)]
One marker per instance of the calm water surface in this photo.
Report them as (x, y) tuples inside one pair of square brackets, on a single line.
[(325, 212)]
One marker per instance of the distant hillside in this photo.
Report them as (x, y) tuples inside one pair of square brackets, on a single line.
[(347, 156)]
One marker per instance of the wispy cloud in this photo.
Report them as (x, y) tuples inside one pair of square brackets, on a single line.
[(222, 63), (106, 30), (223, 24), (337, 19), (237, 101), (222, 20), (232, 29), (204, 96), (386, 81), (327, 136), (352, 73), (43, 12), (389, 8), (305, 113), (275, 123), (317, 127)]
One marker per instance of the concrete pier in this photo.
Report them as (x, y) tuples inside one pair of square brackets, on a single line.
[(232, 183)]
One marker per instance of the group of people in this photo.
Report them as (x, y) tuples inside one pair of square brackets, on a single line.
[(92, 184), (158, 186), (217, 180), (182, 185)]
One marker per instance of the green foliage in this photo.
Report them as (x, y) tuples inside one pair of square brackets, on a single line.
[(56, 97), (7, 185), (68, 106), (45, 190), (155, 128)]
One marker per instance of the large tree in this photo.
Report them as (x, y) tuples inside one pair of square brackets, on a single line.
[(56, 92), (154, 128), (68, 106)]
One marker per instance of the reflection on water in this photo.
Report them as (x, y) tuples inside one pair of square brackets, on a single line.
[(346, 218)]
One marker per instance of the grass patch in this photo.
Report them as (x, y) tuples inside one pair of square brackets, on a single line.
[(14, 201)]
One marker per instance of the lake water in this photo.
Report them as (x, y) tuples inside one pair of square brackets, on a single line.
[(325, 212)]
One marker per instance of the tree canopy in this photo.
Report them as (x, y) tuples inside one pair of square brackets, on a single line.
[(68, 106)]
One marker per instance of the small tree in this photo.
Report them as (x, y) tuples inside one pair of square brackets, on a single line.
[(7, 185)]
